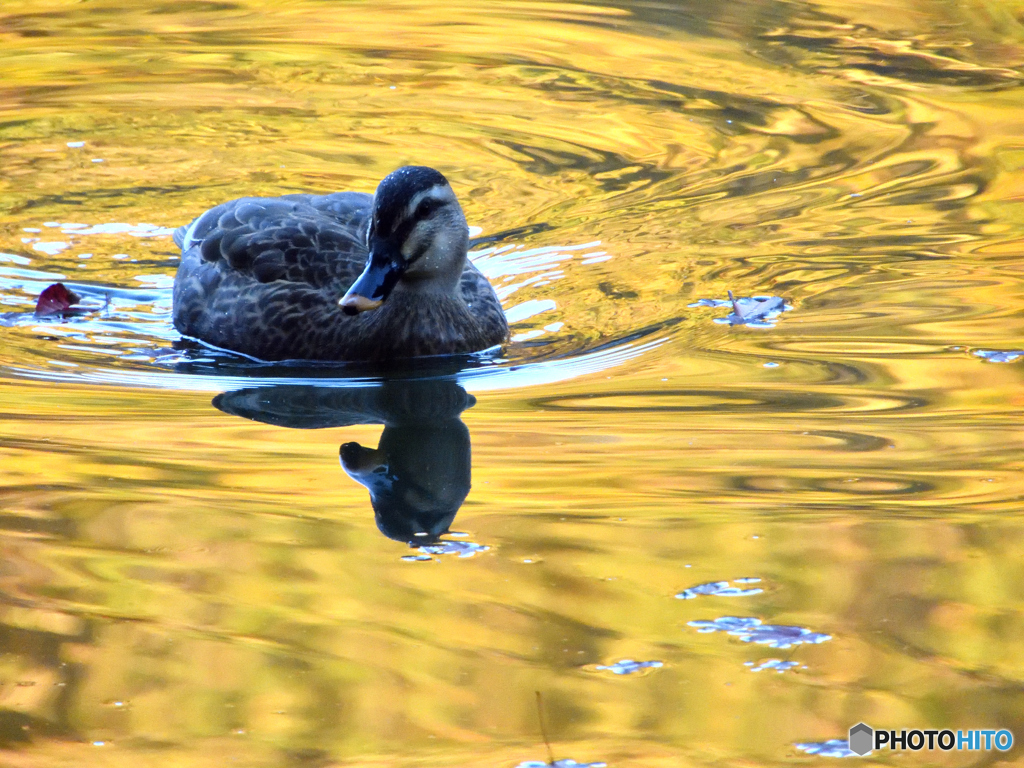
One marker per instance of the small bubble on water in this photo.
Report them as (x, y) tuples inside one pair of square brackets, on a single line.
[(76, 144), (771, 365)]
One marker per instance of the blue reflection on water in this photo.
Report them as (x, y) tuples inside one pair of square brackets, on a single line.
[(629, 666), (445, 547), (778, 665), (999, 355), (830, 748), (751, 630), (721, 589)]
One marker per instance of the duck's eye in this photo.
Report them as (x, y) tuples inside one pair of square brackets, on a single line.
[(427, 207)]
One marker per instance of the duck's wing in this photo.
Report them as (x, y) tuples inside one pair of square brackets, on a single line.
[(262, 276), (479, 295), (317, 241)]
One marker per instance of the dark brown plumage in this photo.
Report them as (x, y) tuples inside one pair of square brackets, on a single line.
[(264, 276)]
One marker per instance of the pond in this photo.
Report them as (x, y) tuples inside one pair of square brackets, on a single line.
[(648, 531)]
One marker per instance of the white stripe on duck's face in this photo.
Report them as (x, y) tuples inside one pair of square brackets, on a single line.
[(438, 238), (424, 203), (425, 218)]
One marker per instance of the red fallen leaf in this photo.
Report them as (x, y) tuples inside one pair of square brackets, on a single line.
[(57, 300)]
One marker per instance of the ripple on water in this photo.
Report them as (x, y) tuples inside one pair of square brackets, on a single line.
[(732, 400), (858, 349), (460, 549), (861, 485), (129, 339)]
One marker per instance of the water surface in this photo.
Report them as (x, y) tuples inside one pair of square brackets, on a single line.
[(210, 562)]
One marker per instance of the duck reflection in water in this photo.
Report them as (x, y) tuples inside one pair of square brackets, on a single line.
[(419, 473)]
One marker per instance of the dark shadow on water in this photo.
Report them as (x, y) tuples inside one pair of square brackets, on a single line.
[(418, 475)]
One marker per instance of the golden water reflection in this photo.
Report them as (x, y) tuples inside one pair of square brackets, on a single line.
[(182, 586)]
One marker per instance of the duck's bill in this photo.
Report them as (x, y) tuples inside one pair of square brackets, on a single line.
[(353, 303), (371, 288), (357, 460)]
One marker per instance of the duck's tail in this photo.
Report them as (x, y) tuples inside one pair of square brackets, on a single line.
[(179, 235)]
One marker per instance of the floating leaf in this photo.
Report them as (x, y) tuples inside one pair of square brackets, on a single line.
[(759, 312), (754, 311), (58, 299)]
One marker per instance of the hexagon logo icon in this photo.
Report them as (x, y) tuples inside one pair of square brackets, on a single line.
[(862, 738)]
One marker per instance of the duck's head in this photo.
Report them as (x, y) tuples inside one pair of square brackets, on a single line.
[(417, 239)]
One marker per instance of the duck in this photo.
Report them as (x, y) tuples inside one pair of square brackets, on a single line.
[(346, 276)]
